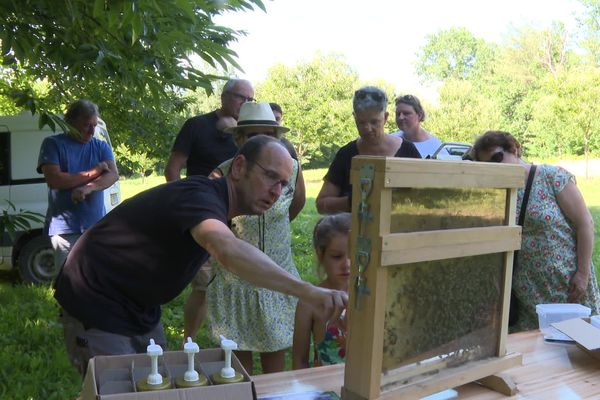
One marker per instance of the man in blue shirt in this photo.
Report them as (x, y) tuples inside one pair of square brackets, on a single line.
[(77, 167)]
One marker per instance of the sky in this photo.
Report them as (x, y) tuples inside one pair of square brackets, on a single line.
[(377, 38)]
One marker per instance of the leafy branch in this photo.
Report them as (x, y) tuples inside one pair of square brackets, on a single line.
[(12, 221)]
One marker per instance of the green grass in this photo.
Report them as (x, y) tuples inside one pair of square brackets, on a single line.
[(302, 227), (131, 187), (590, 188), (33, 362)]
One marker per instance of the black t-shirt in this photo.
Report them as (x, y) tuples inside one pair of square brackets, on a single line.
[(339, 170), (139, 256), (205, 146)]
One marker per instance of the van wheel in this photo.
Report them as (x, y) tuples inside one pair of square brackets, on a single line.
[(36, 261)]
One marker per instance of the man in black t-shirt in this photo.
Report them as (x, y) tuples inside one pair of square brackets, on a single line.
[(199, 145), (143, 253)]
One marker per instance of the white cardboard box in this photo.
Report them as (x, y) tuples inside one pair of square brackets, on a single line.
[(114, 377), (583, 333), (556, 312)]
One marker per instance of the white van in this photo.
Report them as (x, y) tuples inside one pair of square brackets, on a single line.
[(452, 151), (20, 141)]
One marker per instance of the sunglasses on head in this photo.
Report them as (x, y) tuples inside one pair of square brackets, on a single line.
[(362, 94), (497, 157)]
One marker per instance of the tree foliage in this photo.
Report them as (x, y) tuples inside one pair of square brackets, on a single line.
[(590, 24), (316, 98), (463, 112), (535, 85), (13, 221), (453, 54), (149, 65), (567, 115), (134, 162), (133, 58)]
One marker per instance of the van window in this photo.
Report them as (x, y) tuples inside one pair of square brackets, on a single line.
[(4, 158)]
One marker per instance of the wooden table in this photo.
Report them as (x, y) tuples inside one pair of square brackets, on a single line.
[(549, 371)]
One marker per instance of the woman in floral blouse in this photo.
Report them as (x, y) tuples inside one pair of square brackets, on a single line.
[(555, 261)]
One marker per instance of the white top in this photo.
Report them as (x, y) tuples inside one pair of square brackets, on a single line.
[(426, 147)]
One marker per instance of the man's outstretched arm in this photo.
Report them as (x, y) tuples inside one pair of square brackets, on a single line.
[(252, 265)]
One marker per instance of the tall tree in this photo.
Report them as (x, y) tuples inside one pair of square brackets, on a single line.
[(566, 117), (453, 54), (133, 58), (590, 22), (534, 53), (527, 60), (463, 112), (316, 98)]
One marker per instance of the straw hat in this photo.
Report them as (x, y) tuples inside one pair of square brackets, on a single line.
[(256, 114)]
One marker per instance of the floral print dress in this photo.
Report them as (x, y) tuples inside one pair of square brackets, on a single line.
[(548, 256), (332, 349), (257, 319)]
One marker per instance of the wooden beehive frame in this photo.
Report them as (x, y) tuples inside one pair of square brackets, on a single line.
[(374, 249)]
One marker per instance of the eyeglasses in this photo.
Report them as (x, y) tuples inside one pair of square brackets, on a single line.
[(362, 94), (497, 157), (273, 180), (242, 97)]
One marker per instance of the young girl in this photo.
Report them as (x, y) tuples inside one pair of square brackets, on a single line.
[(330, 240)]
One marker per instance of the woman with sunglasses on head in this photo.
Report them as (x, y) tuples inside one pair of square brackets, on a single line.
[(554, 264), (258, 320), (369, 104)]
